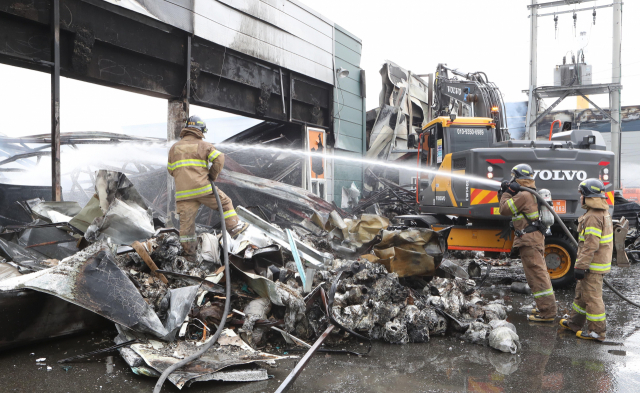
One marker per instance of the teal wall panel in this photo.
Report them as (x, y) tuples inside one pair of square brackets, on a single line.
[(349, 115), (348, 128), (348, 41), (349, 99), (347, 54), (350, 143), (348, 84), (354, 71)]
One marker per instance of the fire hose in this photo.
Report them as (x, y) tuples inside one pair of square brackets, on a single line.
[(566, 230), (227, 304)]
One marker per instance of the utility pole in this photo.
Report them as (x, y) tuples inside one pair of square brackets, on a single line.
[(531, 129), (616, 124)]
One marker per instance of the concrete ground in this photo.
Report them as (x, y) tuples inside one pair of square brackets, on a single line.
[(551, 360)]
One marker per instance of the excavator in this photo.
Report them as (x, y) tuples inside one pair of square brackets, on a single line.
[(468, 141)]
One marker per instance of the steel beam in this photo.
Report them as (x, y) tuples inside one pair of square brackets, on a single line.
[(293, 375), (577, 10), (549, 109), (56, 190), (558, 3), (605, 114)]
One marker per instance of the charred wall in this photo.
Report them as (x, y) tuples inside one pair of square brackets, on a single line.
[(109, 45)]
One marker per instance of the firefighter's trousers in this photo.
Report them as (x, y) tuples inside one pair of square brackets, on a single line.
[(535, 270), (189, 209), (588, 305)]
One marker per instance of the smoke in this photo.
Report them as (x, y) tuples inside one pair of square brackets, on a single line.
[(630, 175), (80, 163), (516, 117)]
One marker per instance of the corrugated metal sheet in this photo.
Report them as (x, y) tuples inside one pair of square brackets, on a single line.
[(281, 32)]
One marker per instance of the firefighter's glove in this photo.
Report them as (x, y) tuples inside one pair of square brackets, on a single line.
[(579, 273), (505, 234), (513, 189), (504, 185)]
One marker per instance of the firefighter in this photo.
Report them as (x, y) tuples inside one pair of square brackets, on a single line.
[(189, 161), (595, 249), (522, 206)]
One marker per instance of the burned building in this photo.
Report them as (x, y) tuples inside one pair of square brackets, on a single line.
[(282, 63)]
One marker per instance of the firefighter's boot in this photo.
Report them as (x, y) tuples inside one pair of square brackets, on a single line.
[(589, 336), (539, 318), (565, 324)]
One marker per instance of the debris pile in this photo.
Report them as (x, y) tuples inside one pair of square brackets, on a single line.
[(331, 278)]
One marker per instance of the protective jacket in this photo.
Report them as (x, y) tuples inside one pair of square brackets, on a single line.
[(189, 161), (523, 209), (595, 237)]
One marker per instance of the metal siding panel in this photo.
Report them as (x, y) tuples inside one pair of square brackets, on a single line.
[(349, 129), (348, 84), (349, 114), (177, 13), (349, 143), (274, 15), (347, 184), (348, 41), (346, 153), (346, 54), (263, 33), (251, 46), (348, 172), (228, 27), (348, 33), (348, 99), (354, 72), (303, 13)]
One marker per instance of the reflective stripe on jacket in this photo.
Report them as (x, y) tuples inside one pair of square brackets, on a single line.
[(189, 160), (520, 205), (595, 241)]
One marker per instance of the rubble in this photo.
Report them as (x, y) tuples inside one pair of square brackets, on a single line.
[(363, 279)]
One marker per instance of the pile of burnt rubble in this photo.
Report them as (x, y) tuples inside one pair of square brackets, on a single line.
[(358, 278)]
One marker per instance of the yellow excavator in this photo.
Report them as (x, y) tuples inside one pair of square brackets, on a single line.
[(468, 152)]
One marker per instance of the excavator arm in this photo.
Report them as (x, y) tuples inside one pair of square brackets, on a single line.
[(469, 95)]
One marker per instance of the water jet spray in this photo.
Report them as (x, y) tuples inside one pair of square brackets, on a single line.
[(386, 164)]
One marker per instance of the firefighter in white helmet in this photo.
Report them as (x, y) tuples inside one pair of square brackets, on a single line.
[(194, 163)]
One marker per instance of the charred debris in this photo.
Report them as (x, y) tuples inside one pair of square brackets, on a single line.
[(306, 277)]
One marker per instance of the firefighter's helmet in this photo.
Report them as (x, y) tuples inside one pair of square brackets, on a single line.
[(522, 171), (592, 188), (197, 123)]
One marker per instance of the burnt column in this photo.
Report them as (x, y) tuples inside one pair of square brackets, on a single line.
[(177, 115), (55, 102)]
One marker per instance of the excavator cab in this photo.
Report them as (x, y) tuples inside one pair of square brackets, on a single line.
[(444, 145)]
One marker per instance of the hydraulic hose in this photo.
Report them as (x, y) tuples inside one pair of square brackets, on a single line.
[(227, 303), (570, 236)]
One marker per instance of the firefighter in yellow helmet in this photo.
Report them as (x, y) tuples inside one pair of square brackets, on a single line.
[(194, 163), (595, 249), (522, 206)]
